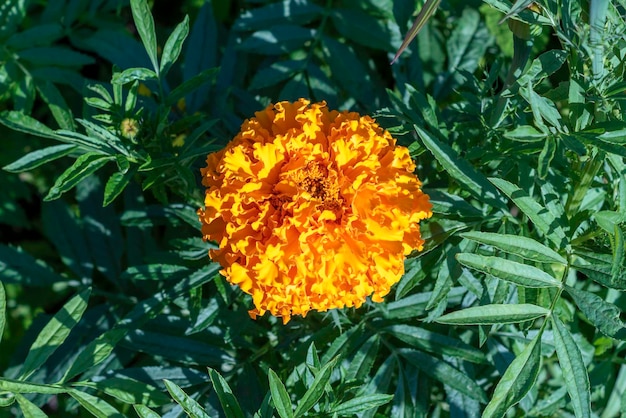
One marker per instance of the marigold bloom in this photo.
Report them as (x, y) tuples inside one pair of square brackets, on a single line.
[(312, 209)]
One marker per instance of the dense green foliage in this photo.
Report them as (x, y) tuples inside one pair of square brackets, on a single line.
[(110, 306)]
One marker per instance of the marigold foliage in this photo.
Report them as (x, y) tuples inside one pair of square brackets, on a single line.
[(312, 209)]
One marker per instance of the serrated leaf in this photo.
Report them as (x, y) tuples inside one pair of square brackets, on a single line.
[(365, 29), (276, 73), (316, 390), (145, 412), (97, 407), (116, 185), (20, 267), (145, 26), (29, 409), (133, 74), (494, 314), (445, 373), (84, 166), (524, 247), (18, 386), (191, 407), (517, 380), (95, 352), (293, 11), (168, 346), (158, 272), (44, 34), (603, 315), (435, 343), (508, 270), (280, 397), (460, 170), (525, 133), (573, 369), (225, 395), (277, 40), (190, 85), (56, 56), (57, 105), (55, 332), (540, 216), (361, 404), (546, 156), (36, 158), (364, 358), (24, 123), (129, 391), (174, 45)]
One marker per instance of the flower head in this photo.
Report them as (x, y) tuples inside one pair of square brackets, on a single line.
[(312, 209)]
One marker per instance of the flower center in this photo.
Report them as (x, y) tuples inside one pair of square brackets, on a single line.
[(320, 183)]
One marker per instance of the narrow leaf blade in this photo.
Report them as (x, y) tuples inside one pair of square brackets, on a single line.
[(494, 314)]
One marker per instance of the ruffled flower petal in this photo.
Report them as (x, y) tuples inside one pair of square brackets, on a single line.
[(312, 209)]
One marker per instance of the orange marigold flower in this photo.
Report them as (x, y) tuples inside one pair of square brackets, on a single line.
[(312, 209)]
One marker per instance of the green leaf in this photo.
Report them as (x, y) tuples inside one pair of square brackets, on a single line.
[(191, 407), (361, 404), (524, 247), (425, 13), (55, 332), (157, 272), (95, 352), (508, 270), (296, 12), (445, 373), (3, 310), (174, 45), (435, 343), (573, 368), (525, 133), (97, 407), (145, 412), (363, 360), (280, 397), (54, 56), (84, 166), (517, 380), (190, 85), (494, 314), (462, 171), (17, 386), (57, 104), (168, 346), (131, 74), (24, 123), (36, 158), (145, 26), (129, 391), (225, 395), (316, 390), (277, 40), (44, 34), (20, 267), (29, 409), (539, 216), (12, 13), (365, 29), (603, 315), (546, 156), (276, 73), (116, 185)]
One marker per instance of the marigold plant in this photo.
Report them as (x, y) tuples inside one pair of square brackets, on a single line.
[(312, 209)]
